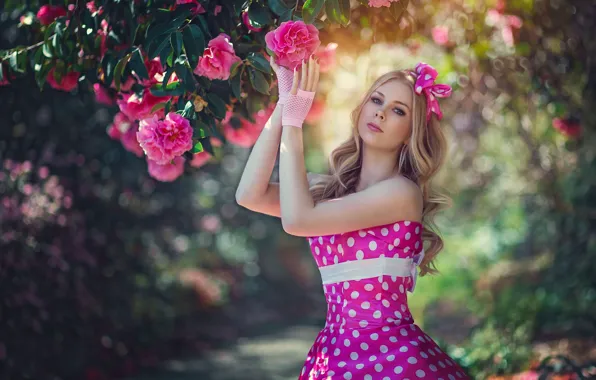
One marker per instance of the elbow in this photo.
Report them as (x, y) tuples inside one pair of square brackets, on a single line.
[(241, 199), (291, 226)]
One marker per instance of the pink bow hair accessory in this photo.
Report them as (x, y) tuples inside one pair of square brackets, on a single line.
[(425, 83)]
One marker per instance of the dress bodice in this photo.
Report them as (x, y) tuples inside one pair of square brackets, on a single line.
[(366, 273)]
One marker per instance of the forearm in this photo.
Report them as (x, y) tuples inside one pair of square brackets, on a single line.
[(261, 161), (295, 198)]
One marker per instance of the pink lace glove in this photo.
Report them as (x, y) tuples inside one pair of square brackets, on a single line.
[(285, 77), (296, 108)]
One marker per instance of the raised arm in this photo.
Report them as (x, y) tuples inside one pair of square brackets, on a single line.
[(255, 191)]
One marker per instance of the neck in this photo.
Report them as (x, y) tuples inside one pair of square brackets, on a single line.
[(377, 165)]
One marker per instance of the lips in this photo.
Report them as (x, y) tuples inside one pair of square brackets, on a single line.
[(373, 127)]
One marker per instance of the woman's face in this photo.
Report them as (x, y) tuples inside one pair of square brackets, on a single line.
[(386, 116)]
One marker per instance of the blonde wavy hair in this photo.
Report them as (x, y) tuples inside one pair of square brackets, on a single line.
[(419, 161)]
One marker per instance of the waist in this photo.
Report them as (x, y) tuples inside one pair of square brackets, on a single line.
[(361, 269)]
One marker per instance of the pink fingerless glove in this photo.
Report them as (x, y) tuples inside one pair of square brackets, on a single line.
[(296, 108), (285, 78)]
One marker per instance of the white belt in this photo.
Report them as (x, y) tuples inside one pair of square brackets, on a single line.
[(360, 269)]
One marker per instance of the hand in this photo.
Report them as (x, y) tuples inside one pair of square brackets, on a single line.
[(284, 80), (299, 101), (306, 78)]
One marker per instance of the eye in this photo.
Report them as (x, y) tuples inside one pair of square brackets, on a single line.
[(399, 111), (376, 100)]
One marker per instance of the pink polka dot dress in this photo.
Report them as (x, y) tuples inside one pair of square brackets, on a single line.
[(369, 333)]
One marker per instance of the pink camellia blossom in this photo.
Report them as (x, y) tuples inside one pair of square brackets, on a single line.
[(102, 95), (130, 142), (125, 130), (200, 159), (326, 56), (217, 10), (162, 140), (197, 8), (120, 124), (381, 3), (316, 111), (440, 35), (217, 59), (248, 133), (292, 42), (48, 13), (156, 73), (68, 82), (168, 171), (4, 81), (136, 108), (567, 127), (246, 22)]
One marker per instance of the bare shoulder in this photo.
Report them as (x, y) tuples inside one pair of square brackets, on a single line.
[(403, 191)]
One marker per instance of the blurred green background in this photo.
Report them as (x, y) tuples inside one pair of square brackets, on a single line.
[(106, 273)]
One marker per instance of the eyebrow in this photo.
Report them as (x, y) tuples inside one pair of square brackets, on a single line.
[(395, 101)]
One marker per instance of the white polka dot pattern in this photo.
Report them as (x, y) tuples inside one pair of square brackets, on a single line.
[(369, 331)]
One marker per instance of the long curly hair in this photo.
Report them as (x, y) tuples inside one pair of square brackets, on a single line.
[(419, 161)]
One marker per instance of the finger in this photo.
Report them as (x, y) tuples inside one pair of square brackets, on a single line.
[(304, 75), (295, 83), (311, 73), (316, 80)]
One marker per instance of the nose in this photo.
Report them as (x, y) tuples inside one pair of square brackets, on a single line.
[(380, 114)]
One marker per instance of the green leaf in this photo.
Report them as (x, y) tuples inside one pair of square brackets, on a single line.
[(189, 110), (166, 78), (156, 48), (259, 15), (235, 82), (119, 70), (198, 36), (398, 8), (197, 148), (338, 11), (259, 62), (173, 89), (157, 107), (217, 105), (278, 7), (190, 46), (258, 81), (311, 9), (137, 64), (176, 40)]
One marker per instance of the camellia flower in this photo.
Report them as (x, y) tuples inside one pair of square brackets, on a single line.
[(197, 8), (137, 108), (246, 22), (567, 127), (440, 35), (247, 133), (48, 13), (326, 57), (381, 3), (68, 82), (200, 159), (168, 171), (102, 95), (162, 140), (217, 59), (125, 130), (292, 42)]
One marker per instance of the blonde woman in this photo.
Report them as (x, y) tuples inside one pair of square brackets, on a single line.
[(366, 221)]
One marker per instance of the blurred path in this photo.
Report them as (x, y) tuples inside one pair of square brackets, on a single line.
[(268, 355)]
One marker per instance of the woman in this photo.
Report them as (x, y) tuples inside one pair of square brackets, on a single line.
[(366, 221)]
